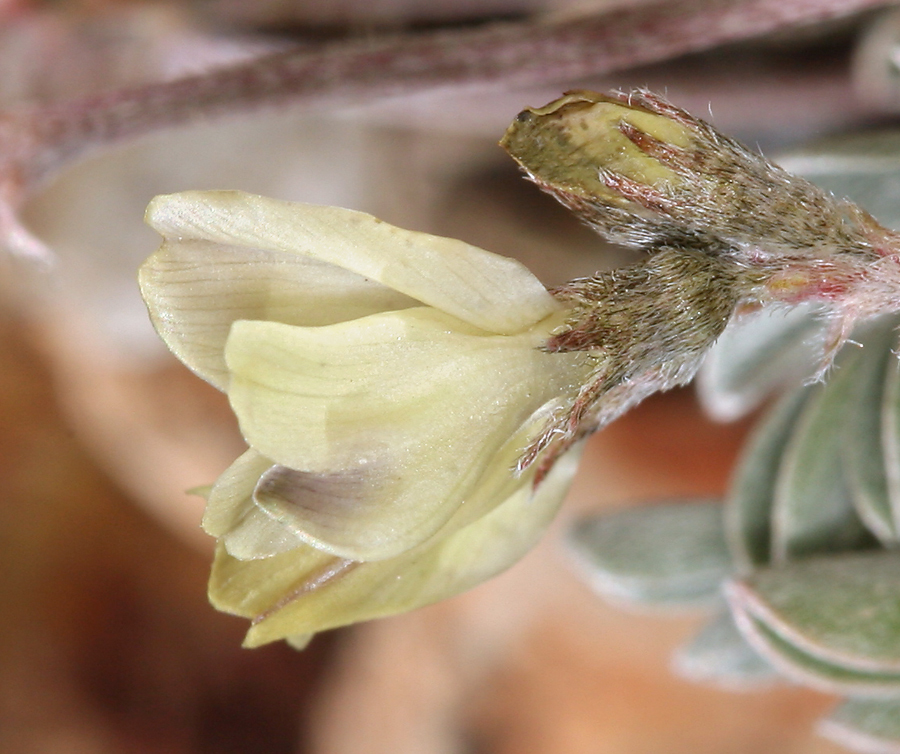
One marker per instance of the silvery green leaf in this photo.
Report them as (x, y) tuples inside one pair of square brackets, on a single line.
[(748, 507), (811, 671), (863, 447), (813, 511), (890, 435), (720, 655), (870, 726), (862, 167), (664, 554), (832, 622), (757, 354)]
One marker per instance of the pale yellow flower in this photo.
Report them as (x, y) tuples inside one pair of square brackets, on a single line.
[(388, 384)]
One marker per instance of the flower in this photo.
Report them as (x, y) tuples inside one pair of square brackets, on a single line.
[(410, 401), (387, 383)]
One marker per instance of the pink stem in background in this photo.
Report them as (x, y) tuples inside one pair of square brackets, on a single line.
[(514, 54), (36, 142)]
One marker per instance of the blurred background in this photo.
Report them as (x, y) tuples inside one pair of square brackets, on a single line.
[(107, 643)]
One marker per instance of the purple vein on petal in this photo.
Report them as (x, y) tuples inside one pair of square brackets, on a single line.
[(293, 494), (333, 569)]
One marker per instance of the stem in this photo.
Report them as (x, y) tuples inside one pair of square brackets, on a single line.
[(513, 54)]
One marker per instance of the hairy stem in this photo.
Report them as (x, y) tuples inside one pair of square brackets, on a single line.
[(514, 54)]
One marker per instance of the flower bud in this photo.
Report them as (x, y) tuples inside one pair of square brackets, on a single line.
[(649, 175), (645, 173)]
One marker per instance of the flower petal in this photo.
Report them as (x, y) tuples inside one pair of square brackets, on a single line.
[(247, 531), (389, 423), (195, 289), (227, 500), (492, 292), (259, 536), (306, 591)]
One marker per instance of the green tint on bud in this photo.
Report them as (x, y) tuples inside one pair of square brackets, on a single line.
[(566, 140), (646, 173)]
